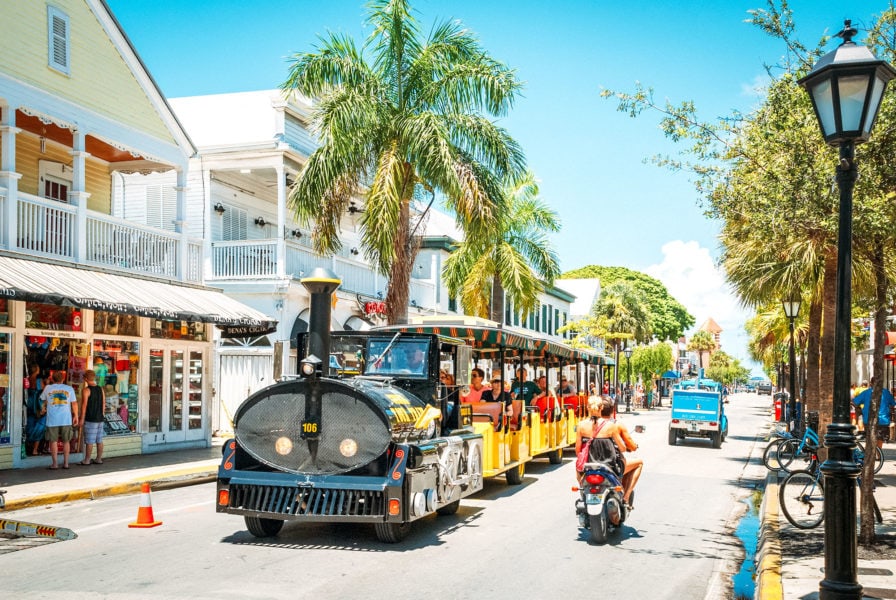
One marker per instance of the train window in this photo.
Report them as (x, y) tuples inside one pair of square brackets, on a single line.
[(408, 357)]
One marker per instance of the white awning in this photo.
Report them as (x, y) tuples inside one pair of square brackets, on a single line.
[(51, 283)]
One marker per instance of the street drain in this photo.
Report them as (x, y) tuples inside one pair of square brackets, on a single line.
[(747, 532)]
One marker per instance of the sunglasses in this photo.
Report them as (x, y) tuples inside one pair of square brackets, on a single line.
[(476, 376)]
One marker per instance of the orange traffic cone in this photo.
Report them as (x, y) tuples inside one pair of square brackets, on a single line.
[(144, 513)]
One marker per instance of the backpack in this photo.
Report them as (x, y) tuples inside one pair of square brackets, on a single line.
[(601, 450)]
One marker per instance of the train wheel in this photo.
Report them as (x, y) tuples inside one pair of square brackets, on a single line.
[(392, 533), (515, 475), (716, 437), (449, 509), (673, 436), (599, 527), (263, 527), (556, 457)]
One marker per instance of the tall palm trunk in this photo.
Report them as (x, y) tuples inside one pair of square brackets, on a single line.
[(811, 399), (404, 252), (829, 322), (882, 283), (496, 306)]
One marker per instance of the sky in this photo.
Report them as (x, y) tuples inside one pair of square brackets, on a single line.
[(617, 208)]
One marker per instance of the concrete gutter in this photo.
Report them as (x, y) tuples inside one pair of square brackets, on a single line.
[(159, 481), (768, 556)]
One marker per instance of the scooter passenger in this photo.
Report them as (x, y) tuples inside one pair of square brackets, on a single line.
[(600, 424)]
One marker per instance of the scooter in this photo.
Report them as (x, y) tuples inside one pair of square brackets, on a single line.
[(600, 507)]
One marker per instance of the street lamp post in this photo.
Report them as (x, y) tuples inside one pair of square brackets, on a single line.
[(791, 311), (628, 378), (846, 87)]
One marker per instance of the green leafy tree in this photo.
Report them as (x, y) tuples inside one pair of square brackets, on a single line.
[(726, 369), (650, 362), (402, 116), (516, 259), (668, 318)]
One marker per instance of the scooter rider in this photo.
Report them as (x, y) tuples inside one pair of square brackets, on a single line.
[(601, 412)]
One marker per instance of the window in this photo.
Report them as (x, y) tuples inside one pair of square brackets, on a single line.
[(55, 180), (58, 39), (233, 224), (161, 206)]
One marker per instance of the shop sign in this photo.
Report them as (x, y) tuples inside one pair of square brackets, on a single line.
[(374, 308)]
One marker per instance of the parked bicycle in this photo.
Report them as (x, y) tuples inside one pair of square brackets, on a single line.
[(781, 452), (801, 497)]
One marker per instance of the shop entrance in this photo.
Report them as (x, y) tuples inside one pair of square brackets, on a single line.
[(176, 391)]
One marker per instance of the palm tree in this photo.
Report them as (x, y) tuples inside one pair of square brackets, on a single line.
[(515, 258), (398, 117), (701, 342)]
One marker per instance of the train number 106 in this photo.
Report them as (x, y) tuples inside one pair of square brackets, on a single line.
[(310, 429)]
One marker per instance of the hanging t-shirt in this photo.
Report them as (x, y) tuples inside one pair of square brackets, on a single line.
[(101, 370), (59, 398)]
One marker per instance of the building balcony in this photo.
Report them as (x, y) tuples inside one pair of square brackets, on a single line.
[(259, 259), (51, 229)]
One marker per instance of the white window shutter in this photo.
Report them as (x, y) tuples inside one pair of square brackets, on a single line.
[(58, 29)]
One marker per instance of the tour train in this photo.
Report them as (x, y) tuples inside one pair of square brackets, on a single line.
[(367, 432)]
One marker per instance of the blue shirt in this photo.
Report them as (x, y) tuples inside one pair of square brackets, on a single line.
[(863, 401)]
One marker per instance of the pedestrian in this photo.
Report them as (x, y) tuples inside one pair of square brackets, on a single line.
[(59, 403), (863, 402), (93, 404)]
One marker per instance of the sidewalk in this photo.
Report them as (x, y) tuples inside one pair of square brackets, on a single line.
[(790, 561), (120, 475)]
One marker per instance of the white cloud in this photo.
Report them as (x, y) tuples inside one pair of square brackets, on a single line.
[(692, 278)]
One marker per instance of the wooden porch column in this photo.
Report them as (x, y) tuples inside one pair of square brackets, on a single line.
[(8, 176), (78, 195)]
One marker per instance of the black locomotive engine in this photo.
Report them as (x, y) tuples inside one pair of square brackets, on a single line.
[(367, 448)]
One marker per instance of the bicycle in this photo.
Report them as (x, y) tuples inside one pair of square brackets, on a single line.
[(780, 453), (801, 497)]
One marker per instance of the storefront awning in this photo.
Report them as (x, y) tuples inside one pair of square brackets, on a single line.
[(52, 283)]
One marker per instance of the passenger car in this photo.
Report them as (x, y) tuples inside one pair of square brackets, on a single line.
[(764, 387)]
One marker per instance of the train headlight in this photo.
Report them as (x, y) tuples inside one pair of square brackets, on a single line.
[(348, 447), (283, 446)]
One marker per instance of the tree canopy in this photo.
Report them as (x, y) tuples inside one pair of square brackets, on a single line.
[(668, 318)]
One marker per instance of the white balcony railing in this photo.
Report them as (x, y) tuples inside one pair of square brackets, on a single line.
[(45, 227), (120, 244), (244, 259), (257, 259), (49, 228)]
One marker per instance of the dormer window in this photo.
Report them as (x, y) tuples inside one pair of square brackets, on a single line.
[(58, 39)]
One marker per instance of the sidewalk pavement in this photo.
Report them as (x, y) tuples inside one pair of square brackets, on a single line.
[(790, 561), (119, 475)]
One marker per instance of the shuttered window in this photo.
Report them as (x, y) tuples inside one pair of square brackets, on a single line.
[(161, 206), (233, 224), (58, 34)]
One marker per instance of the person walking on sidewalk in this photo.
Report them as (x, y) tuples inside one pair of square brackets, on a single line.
[(59, 403), (93, 402)]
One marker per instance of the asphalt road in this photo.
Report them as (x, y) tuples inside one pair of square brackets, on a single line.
[(507, 542)]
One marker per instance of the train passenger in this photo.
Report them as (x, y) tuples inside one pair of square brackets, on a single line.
[(476, 386), (524, 389), (495, 394), (601, 421)]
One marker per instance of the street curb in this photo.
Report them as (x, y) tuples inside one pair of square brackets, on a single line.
[(768, 564), (161, 481)]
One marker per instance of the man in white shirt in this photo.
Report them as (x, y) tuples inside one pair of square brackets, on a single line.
[(60, 404)]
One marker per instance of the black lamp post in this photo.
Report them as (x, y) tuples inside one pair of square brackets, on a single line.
[(628, 378), (846, 87), (792, 311)]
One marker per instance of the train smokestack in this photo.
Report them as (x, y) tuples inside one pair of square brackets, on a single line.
[(320, 284)]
